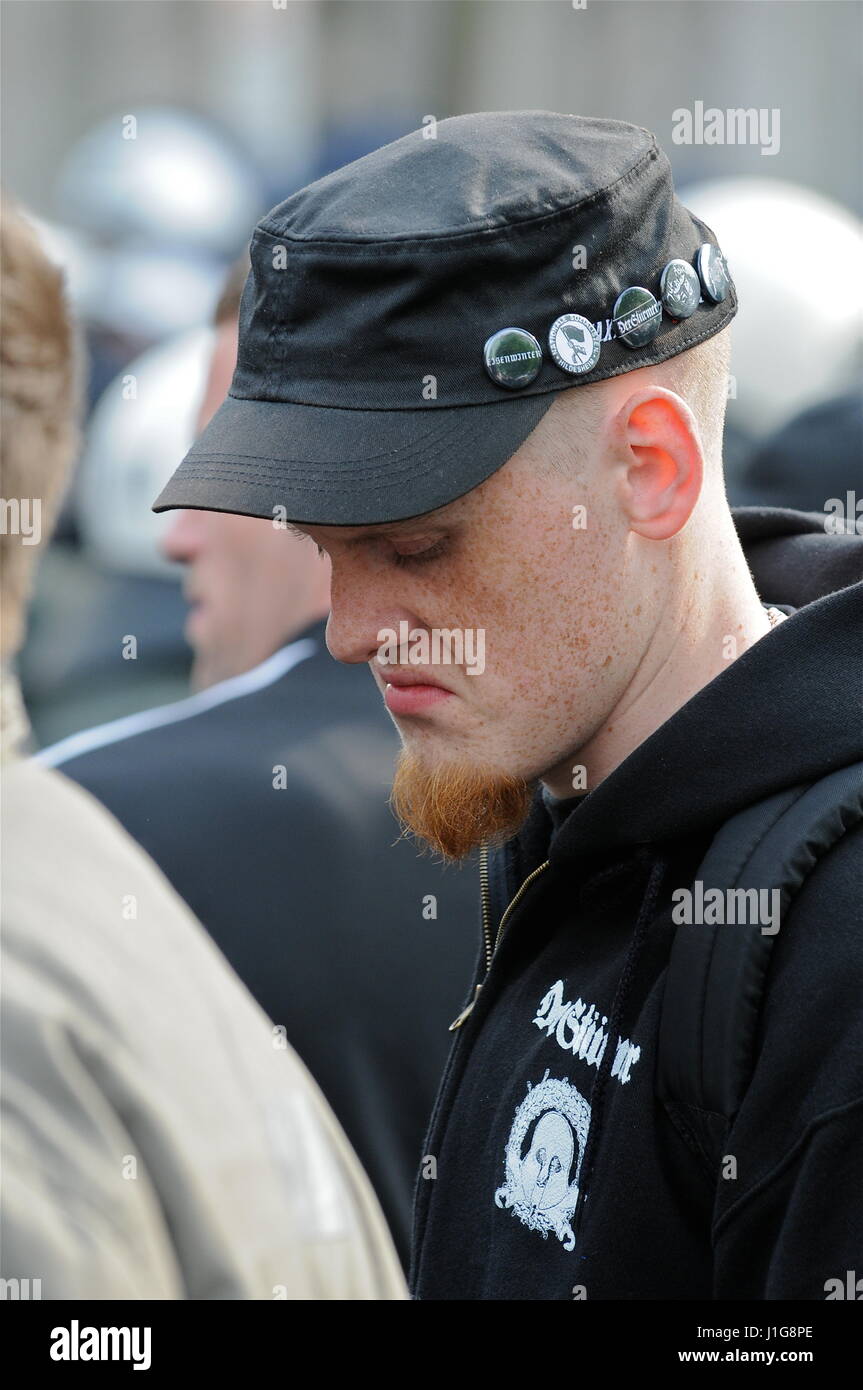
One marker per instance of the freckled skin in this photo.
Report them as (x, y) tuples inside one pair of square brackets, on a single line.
[(580, 624)]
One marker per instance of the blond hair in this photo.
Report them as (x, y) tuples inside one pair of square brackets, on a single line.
[(39, 397)]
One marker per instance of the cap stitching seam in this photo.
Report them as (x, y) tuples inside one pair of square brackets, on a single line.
[(335, 463), (395, 243)]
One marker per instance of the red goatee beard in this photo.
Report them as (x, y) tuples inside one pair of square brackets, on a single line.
[(454, 808)]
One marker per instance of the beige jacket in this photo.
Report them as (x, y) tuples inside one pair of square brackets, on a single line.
[(159, 1138)]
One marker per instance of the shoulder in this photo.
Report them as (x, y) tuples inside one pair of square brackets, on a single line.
[(227, 699), (821, 932), (77, 885)]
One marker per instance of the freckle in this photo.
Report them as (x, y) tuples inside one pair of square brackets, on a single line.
[(638, 610), (607, 661), (610, 729)]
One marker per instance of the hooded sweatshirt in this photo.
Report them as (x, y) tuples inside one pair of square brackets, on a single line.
[(551, 1170)]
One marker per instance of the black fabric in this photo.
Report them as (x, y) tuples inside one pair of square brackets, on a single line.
[(558, 1173), (559, 808), (786, 552), (815, 457), (308, 891), (361, 394), (716, 973)]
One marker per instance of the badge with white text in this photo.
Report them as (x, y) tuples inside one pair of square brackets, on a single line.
[(512, 358), (637, 317), (574, 343)]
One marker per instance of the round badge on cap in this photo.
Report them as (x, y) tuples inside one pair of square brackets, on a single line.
[(637, 317), (512, 358), (713, 272), (574, 343), (680, 289)]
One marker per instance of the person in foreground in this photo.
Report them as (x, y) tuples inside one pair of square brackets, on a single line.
[(486, 373), (160, 1139)]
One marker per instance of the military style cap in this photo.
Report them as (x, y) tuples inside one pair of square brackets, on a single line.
[(408, 319)]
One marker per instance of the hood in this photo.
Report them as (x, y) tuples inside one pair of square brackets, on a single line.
[(784, 713), (791, 554)]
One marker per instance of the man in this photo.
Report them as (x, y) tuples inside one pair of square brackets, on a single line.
[(159, 1141), (486, 372), (263, 798)]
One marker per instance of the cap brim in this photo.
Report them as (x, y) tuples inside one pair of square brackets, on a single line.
[(335, 467)]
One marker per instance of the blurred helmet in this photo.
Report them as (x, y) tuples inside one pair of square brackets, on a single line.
[(142, 426), (161, 176), (797, 261), (154, 294)]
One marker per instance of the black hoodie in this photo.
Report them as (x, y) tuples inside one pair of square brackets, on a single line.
[(552, 1170)]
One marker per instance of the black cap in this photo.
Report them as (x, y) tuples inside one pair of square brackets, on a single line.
[(374, 381)]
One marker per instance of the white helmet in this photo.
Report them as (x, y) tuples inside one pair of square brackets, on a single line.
[(796, 258), (141, 427), (160, 177)]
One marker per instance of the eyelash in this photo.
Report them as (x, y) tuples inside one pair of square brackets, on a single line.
[(422, 557)]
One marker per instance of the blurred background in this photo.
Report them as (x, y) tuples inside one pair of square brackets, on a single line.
[(148, 136)]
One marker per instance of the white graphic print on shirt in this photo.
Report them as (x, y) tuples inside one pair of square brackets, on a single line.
[(542, 1184), (547, 1140), (579, 1029)]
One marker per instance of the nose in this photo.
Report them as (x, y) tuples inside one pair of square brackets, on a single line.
[(182, 541), (360, 608)]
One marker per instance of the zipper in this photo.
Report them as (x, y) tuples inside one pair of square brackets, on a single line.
[(491, 947)]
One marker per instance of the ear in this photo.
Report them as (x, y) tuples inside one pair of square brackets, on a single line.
[(661, 462)]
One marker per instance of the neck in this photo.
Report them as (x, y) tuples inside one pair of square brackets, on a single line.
[(711, 614)]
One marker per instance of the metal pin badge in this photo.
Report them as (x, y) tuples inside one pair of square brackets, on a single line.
[(637, 317), (680, 289), (512, 357), (713, 272), (574, 343)]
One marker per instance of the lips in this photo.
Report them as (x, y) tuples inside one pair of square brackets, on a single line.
[(411, 692), (396, 675)]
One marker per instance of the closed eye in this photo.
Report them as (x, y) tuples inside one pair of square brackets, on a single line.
[(420, 557)]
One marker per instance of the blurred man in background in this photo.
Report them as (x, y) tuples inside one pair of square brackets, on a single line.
[(249, 586), (263, 798), (158, 1141)]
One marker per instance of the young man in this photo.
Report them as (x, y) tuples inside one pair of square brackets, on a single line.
[(551, 593)]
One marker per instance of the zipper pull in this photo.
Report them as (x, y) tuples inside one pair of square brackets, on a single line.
[(457, 1022)]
